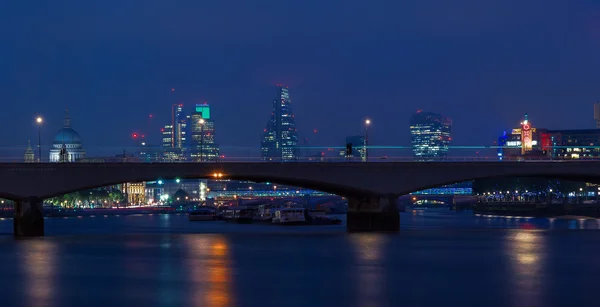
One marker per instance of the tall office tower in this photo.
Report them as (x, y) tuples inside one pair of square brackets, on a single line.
[(174, 135), (597, 114), (167, 136), (202, 135), (280, 137), (430, 135), (179, 124), (168, 152)]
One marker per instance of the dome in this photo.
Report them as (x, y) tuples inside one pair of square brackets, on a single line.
[(67, 136)]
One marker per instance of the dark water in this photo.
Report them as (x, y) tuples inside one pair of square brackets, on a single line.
[(438, 259)]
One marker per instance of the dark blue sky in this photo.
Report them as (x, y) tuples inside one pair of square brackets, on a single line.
[(113, 62)]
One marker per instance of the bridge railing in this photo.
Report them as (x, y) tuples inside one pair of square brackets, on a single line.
[(333, 154)]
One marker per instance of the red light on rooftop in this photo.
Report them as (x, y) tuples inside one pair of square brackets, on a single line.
[(134, 135), (172, 89), (419, 111), (315, 131), (151, 116)]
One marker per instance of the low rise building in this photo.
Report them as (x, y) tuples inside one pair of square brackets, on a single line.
[(528, 141)]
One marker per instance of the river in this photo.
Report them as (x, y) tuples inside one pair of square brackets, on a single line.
[(438, 258)]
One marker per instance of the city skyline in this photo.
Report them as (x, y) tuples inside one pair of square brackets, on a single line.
[(480, 65), (190, 143)]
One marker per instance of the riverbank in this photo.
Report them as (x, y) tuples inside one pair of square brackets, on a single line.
[(99, 211), (537, 209)]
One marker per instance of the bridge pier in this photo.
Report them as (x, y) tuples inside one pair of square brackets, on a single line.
[(29, 218), (373, 213)]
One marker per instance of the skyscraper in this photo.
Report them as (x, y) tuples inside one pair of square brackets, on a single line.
[(280, 137), (179, 124), (430, 135), (174, 135), (202, 134), (167, 136), (597, 114)]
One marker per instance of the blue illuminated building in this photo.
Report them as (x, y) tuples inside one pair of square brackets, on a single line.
[(430, 135), (501, 143), (463, 188), (280, 137)]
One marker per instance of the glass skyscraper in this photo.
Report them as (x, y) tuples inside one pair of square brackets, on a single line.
[(202, 135), (280, 137), (430, 135), (174, 135), (179, 123)]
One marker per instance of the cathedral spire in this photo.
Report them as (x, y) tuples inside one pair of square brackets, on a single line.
[(67, 119), (29, 155)]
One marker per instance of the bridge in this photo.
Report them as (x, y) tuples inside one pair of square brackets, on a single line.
[(371, 188)]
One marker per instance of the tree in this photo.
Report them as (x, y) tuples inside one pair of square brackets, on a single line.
[(180, 195), (116, 196)]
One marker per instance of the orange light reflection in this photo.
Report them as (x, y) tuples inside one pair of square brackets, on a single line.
[(210, 270)]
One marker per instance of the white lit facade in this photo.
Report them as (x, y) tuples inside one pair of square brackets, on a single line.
[(67, 140)]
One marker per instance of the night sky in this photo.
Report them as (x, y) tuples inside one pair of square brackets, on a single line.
[(114, 62)]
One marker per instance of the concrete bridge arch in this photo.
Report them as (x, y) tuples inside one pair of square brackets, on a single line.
[(371, 188)]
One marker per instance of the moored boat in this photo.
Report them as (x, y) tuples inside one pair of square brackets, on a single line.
[(240, 215), (202, 214), (319, 217), (289, 216)]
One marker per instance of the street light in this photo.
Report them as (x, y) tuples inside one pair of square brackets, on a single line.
[(201, 123), (367, 123), (39, 120)]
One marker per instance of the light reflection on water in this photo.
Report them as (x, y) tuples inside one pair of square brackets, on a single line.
[(527, 250), (38, 266), (436, 259), (370, 270), (209, 269)]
